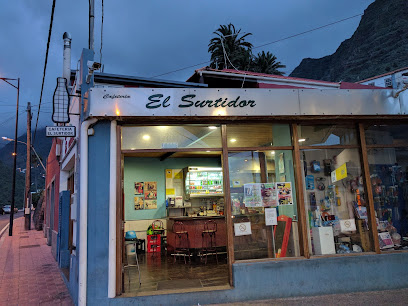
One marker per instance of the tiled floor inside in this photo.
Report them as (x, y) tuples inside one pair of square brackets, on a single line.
[(160, 273)]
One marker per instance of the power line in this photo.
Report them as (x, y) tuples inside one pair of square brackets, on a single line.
[(270, 43), (45, 66)]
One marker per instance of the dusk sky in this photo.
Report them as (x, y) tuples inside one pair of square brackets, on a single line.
[(150, 38)]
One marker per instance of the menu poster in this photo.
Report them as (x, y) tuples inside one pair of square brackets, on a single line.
[(284, 193), (271, 216), (139, 203), (150, 204), (252, 195), (269, 194), (139, 188)]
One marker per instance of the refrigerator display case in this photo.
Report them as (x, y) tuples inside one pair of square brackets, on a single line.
[(203, 182)]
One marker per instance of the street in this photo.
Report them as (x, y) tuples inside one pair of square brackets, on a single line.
[(5, 219)]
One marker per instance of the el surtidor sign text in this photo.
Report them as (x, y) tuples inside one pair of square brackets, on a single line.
[(158, 100)]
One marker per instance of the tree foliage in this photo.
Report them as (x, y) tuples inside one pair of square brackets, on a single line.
[(231, 43), (230, 50), (267, 63)]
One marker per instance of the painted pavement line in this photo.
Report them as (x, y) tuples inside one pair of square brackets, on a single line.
[(4, 229)]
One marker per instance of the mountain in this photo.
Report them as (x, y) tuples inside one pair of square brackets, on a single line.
[(42, 146), (379, 45)]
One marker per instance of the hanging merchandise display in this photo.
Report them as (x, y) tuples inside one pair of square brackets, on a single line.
[(315, 166), (320, 184), (310, 182), (327, 167)]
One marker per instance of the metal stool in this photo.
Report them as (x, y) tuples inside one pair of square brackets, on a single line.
[(182, 244), (209, 242), (134, 241)]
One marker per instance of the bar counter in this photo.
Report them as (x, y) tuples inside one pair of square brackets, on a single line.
[(195, 227)]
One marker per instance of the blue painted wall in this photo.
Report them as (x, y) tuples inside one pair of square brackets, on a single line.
[(153, 170), (98, 213)]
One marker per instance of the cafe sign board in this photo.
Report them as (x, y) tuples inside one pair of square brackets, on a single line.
[(60, 131), (215, 102)]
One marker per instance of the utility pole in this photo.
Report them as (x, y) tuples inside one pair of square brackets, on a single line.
[(91, 25), (27, 206)]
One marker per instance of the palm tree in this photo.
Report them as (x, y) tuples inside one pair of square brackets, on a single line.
[(229, 49), (267, 63)]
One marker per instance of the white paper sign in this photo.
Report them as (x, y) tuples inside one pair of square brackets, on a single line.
[(242, 229), (271, 217)]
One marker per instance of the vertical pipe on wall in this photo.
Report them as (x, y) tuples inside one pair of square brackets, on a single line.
[(83, 209), (112, 212)]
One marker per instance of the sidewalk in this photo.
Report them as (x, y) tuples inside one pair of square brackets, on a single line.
[(29, 275), (386, 297)]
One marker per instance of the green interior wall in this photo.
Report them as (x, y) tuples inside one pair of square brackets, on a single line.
[(137, 169)]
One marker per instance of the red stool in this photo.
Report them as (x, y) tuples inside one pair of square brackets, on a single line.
[(182, 244), (209, 243)]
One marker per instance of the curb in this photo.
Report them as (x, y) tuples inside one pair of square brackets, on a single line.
[(4, 229)]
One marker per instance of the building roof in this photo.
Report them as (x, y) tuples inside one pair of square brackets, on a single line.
[(276, 81), (135, 81), (383, 75), (263, 75)]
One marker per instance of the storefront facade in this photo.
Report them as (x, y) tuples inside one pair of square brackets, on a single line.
[(322, 159)]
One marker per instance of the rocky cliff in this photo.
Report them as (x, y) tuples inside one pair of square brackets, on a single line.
[(379, 45)]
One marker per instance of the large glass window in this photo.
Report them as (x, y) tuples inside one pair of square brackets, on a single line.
[(335, 199), (386, 134), (263, 204), (326, 135), (258, 135), (168, 137), (389, 180)]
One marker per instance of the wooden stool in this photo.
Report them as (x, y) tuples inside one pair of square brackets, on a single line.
[(182, 244)]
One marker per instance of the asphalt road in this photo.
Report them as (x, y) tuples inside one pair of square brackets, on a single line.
[(5, 219)]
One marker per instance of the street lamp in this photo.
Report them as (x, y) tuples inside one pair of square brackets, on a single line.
[(35, 152), (13, 188)]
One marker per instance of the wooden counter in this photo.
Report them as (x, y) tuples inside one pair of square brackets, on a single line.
[(195, 227)]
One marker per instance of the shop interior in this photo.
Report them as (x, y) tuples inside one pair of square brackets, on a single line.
[(174, 206)]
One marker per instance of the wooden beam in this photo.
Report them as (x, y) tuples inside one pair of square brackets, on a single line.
[(369, 190), (166, 155), (303, 231)]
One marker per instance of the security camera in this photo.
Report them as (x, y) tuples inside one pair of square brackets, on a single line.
[(94, 65)]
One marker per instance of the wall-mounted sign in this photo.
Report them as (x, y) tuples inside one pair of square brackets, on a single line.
[(242, 229), (214, 102), (60, 131)]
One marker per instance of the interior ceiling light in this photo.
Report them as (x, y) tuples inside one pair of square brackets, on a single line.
[(233, 140), (146, 137), (212, 127), (208, 151), (245, 160), (273, 152), (302, 139)]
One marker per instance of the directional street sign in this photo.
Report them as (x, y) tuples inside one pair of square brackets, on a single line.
[(60, 131)]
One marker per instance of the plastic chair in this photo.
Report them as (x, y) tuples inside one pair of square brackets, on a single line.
[(131, 236)]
